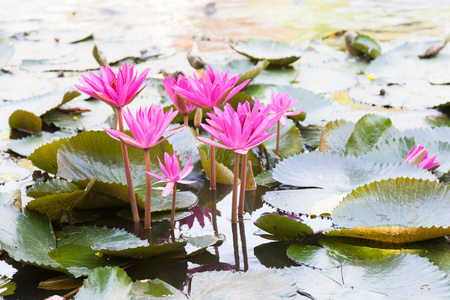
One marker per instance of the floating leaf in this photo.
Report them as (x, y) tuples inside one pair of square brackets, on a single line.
[(265, 284), (139, 252), (396, 149), (27, 145), (395, 210), (56, 197), (335, 135), (393, 277), (62, 282), (275, 52), (283, 227), (367, 45), (13, 86), (45, 156), (403, 93), (243, 67), (315, 106), (367, 132), (290, 140), (155, 289), (25, 121), (325, 80), (106, 283), (7, 287), (326, 178)]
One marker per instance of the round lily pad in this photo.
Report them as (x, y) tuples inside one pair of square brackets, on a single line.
[(396, 210), (325, 80), (276, 53), (13, 86)]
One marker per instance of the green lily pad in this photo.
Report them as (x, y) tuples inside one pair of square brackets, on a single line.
[(290, 140), (395, 210), (393, 277), (400, 93), (25, 121), (425, 135), (155, 289), (56, 197), (7, 287), (156, 216), (367, 45), (106, 283), (283, 227), (198, 244), (265, 284), (335, 135), (276, 53), (27, 145), (367, 132), (244, 67), (276, 76), (325, 179), (138, 252), (266, 179)]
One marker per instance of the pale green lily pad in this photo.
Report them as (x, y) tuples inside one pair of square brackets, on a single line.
[(98, 113), (290, 140), (12, 86), (326, 178), (117, 50), (56, 197), (106, 283), (25, 121), (6, 50), (32, 50), (395, 210), (155, 289), (283, 227), (198, 244), (368, 131), (367, 45), (401, 93), (276, 53), (276, 76), (393, 277), (316, 107), (156, 216), (427, 135), (264, 284), (243, 67), (138, 252), (266, 179), (396, 149), (325, 80), (27, 145), (335, 135)]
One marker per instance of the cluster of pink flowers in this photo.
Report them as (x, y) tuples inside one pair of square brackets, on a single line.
[(238, 130)]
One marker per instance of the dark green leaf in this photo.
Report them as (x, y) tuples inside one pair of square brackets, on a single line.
[(367, 45), (25, 121), (283, 227)]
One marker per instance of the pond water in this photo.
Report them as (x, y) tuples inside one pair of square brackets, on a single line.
[(168, 29)]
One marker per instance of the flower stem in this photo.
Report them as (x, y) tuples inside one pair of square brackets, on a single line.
[(126, 165), (186, 120), (212, 166), (242, 191), (148, 192), (174, 199), (235, 188), (277, 150)]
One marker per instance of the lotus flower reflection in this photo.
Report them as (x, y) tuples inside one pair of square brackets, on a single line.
[(171, 169), (419, 156)]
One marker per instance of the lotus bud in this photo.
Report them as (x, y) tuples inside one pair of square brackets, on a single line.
[(198, 119)]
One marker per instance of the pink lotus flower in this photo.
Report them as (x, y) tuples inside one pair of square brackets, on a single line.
[(419, 156), (211, 90), (172, 172), (147, 126), (281, 103), (115, 91), (183, 106), (242, 130)]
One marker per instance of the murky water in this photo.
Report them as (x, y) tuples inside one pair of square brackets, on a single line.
[(167, 27)]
